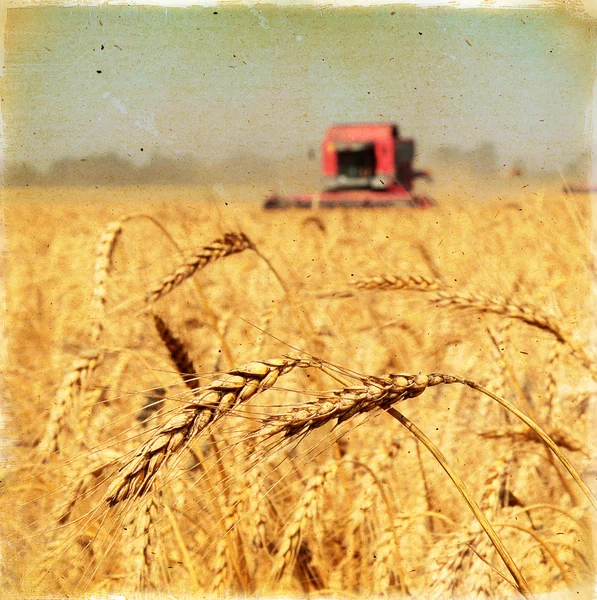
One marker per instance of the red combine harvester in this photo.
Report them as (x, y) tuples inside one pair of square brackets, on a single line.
[(363, 165)]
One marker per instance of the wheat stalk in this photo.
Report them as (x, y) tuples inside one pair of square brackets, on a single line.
[(521, 583)]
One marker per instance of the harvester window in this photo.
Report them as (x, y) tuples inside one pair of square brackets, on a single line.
[(357, 161)]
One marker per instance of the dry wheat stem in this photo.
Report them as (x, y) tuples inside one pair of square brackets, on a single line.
[(544, 545), (495, 539), (538, 430), (231, 243), (214, 401)]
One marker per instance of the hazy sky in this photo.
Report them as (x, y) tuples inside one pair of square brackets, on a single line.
[(213, 82)]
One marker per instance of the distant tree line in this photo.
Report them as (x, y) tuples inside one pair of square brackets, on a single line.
[(112, 169), (483, 160)]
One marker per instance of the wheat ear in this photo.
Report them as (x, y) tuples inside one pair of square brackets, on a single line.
[(230, 552), (417, 283), (291, 538), (178, 353), (146, 542), (494, 498), (516, 310), (377, 392), (383, 393), (220, 571), (231, 243), (103, 265), (72, 384), (214, 401), (442, 296), (562, 436), (551, 391)]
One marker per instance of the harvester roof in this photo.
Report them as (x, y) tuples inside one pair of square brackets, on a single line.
[(361, 132)]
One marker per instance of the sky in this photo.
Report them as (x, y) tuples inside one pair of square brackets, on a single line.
[(215, 82)]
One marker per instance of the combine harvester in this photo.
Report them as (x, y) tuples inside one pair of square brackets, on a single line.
[(363, 165)]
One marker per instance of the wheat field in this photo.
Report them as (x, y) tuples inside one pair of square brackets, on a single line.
[(205, 398)]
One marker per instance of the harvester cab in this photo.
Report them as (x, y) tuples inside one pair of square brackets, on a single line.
[(363, 165), (367, 156)]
